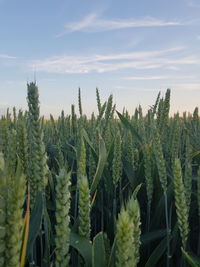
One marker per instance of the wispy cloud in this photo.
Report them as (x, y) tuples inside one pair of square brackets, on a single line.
[(93, 23), (188, 86), (4, 104), (141, 89), (161, 77), (143, 78), (82, 24), (4, 56), (166, 58)]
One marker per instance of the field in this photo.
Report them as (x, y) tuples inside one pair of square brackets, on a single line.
[(115, 189)]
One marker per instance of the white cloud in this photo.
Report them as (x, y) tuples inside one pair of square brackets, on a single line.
[(3, 56), (4, 104), (92, 23), (187, 86), (167, 58), (8, 83), (172, 68), (80, 25), (187, 60), (161, 77), (141, 89), (143, 78)]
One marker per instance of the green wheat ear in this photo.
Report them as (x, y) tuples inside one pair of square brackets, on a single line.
[(117, 159), (124, 240), (129, 149), (147, 171), (11, 160), (160, 161), (81, 157), (79, 102), (181, 202), (38, 169), (62, 218), (84, 207), (134, 213), (3, 193), (198, 191), (15, 222), (98, 100), (22, 144), (2, 162), (188, 172)]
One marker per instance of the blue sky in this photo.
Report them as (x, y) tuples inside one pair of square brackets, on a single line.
[(132, 49)]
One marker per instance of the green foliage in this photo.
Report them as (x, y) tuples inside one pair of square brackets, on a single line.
[(79, 173)]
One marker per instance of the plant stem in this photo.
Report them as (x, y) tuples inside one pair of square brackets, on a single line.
[(148, 223), (168, 230), (114, 206)]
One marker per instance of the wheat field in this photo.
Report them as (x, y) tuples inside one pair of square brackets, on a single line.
[(113, 189)]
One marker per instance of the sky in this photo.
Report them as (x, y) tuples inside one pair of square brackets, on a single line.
[(131, 49)]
